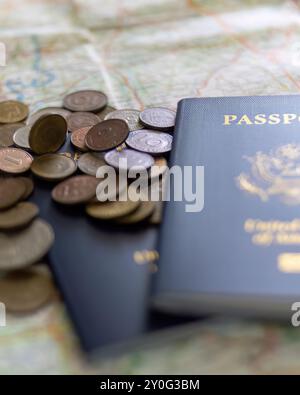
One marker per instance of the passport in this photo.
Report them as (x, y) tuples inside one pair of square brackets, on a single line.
[(104, 287), (241, 253)]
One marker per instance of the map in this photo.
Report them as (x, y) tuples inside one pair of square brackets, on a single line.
[(141, 53)]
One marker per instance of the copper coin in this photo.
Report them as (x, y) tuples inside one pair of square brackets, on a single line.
[(102, 114), (26, 290), (85, 101), (78, 138), (129, 159), (107, 135), (48, 134), (53, 167), (18, 216), (78, 120), (14, 160), (12, 111), (90, 162), (7, 133), (47, 111), (150, 141), (75, 190), (11, 191), (158, 118)]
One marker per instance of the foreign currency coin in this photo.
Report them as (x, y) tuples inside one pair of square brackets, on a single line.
[(18, 216), (78, 120), (21, 137), (158, 118), (11, 191), (26, 290), (111, 210), (53, 167), (78, 138), (102, 114), (48, 134), (75, 190), (7, 133), (12, 111), (144, 210), (22, 248), (128, 159), (131, 117), (47, 111), (14, 160), (107, 135), (90, 162), (150, 141), (85, 101)]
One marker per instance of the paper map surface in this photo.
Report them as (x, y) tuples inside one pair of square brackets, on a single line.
[(141, 53)]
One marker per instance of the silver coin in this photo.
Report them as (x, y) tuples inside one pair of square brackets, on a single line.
[(22, 248), (46, 111), (131, 117), (21, 137), (89, 163), (158, 118), (150, 141), (128, 159)]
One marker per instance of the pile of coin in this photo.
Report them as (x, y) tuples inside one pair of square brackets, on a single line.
[(30, 143)]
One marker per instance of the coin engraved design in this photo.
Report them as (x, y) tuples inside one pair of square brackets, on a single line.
[(79, 120), (131, 117), (128, 159), (14, 160), (53, 167), (107, 135), (85, 101), (75, 190), (158, 118), (22, 248), (12, 111), (150, 141)]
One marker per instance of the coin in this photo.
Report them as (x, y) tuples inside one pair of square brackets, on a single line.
[(22, 248), (12, 111), (14, 160), (53, 167), (21, 137), (111, 210), (78, 138), (18, 216), (102, 114), (7, 132), (47, 111), (78, 120), (75, 190), (26, 290), (29, 186), (90, 162), (131, 117), (158, 118), (144, 210), (48, 134), (128, 159), (85, 100), (11, 191), (112, 193), (159, 168), (107, 135), (150, 141)]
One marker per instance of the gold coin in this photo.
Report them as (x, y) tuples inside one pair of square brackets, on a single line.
[(26, 290), (18, 216), (14, 160), (11, 191), (111, 210), (12, 111), (48, 134), (144, 210), (22, 248), (53, 167), (7, 133)]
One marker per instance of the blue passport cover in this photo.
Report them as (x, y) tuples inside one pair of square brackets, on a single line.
[(241, 253)]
